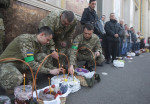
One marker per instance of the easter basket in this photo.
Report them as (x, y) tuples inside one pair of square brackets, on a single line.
[(87, 81), (24, 93), (60, 99)]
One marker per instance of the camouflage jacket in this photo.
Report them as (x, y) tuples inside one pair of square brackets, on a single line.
[(1, 24), (61, 33), (24, 46), (93, 44)]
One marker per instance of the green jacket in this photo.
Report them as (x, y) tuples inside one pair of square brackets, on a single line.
[(93, 44), (61, 33), (22, 47)]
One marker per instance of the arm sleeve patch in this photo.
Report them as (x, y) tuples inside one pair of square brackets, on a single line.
[(74, 47), (29, 59)]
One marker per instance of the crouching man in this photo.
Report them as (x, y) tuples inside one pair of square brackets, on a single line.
[(91, 41), (26, 47)]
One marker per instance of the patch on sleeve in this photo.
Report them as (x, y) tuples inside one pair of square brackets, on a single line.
[(29, 53), (74, 47), (29, 59)]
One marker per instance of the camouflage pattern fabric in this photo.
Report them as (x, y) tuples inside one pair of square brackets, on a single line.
[(84, 54), (61, 33), (2, 34), (11, 73), (25, 47)]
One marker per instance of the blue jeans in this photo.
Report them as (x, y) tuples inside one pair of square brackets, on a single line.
[(134, 46), (129, 46), (124, 48)]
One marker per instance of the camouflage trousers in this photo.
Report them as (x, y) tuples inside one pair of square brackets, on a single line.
[(89, 59), (2, 34), (11, 73)]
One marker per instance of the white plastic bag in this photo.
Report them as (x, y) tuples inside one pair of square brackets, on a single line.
[(130, 54), (5, 100), (118, 63), (20, 94), (74, 85), (84, 72)]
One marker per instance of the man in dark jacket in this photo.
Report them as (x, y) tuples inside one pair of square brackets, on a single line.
[(113, 31), (89, 16), (133, 38)]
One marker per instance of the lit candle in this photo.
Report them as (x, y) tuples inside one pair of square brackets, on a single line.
[(63, 71), (58, 58), (49, 85), (24, 75)]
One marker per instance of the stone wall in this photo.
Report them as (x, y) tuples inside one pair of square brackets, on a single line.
[(21, 18)]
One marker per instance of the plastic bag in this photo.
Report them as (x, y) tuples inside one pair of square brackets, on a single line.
[(118, 63), (130, 54), (74, 85), (21, 94), (81, 71), (55, 101), (5, 100)]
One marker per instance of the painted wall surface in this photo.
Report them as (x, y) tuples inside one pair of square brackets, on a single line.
[(107, 8), (21, 18), (77, 6)]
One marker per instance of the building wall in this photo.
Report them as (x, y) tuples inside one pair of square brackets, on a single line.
[(146, 19), (21, 18), (130, 12), (107, 8)]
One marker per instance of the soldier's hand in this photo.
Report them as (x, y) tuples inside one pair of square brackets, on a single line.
[(100, 40), (63, 44), (55, 71), (116, 35), (55, 55), (97, 54), (71, 69)]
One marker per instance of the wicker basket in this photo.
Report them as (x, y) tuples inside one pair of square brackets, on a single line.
[(63, 99), (81, 78), (15, 59)]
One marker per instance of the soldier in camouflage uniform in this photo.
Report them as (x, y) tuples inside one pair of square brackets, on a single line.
[(63, 25), (89, 40), (26, 47), (2, 34), (3, 4)]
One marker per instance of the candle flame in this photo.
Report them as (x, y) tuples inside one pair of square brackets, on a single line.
[(24, 75)]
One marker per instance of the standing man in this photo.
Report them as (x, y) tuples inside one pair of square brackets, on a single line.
[(122, 36), (26, 47), (89, 16), (113, 31), (125, 40), (133, 38), (63, 25), (89, 40)]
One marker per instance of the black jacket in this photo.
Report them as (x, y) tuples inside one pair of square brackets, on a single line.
[(90, 16), (112, 28)]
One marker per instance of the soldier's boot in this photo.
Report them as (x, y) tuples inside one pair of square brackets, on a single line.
[(10, 77), (88, 67), (100, 60)]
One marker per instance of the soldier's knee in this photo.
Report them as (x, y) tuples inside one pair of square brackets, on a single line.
[(10, 77)]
